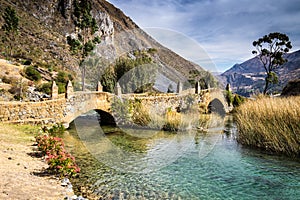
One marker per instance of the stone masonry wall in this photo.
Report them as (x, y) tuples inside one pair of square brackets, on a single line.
[(46, 112), (65, 110), (54, 111)]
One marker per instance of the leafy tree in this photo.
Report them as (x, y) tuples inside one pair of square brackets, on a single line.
[(108, 79), (95, 69), (10, 27), (86, 40), (134, 75), (270, 49)]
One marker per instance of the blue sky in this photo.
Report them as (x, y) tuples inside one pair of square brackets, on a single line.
[(220, 30)]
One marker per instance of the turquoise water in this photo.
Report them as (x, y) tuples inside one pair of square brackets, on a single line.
[(189, 165)]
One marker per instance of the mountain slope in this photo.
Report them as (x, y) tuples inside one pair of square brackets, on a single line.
[(249, 77), (45, 25)]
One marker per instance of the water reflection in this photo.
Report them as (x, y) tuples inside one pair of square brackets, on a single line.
[(142, 150), (189, 165)]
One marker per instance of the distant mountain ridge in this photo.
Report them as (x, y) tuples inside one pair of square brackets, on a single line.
[(249, 77)]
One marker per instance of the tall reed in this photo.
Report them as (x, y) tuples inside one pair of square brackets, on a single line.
[(272, 124)]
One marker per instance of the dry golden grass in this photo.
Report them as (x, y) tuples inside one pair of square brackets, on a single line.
[(173, 121), (270, 123)]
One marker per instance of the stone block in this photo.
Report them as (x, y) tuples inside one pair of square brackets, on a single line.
[(197, 88), (179, 87), (54, 90), (99, 87), (69, 90)]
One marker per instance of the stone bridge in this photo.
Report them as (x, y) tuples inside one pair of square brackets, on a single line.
[(64, 109)]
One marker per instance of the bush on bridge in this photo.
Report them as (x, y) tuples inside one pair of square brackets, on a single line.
[(237, 100), (62, 80)]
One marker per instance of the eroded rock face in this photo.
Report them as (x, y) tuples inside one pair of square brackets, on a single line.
[(106, 49), (65, 7), (106, 26)]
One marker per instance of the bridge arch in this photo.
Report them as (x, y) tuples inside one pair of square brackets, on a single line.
[(216, 106), (103, 118), (106, 118), (81, 103)]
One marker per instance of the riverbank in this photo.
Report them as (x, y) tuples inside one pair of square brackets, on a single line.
[(21, 172)]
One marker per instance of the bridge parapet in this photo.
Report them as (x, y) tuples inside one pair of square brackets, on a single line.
[(65, 108), (161, 102)]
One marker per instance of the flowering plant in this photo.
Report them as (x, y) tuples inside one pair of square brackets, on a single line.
[(58, 159), (49, 144), (63, 163)]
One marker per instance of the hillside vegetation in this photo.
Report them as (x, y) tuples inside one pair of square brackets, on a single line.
[(44, 27)]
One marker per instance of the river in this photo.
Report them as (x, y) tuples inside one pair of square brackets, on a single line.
[(144, 164)]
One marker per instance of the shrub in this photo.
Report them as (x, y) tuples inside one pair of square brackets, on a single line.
[(62, 80), (16, 89), (136, 77), (61, 88), (173, 120), (152, 50), (237, 100), (62, 163), (48, 144), (229, 97), (56, 130), (27, 62), (62, 77), (32, 74), (45, 88), (58, 159), (140, 114)]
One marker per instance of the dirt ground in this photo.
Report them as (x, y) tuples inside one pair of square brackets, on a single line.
[(20, 171)]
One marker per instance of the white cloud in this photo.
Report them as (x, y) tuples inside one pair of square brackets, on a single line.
[(224, 29)]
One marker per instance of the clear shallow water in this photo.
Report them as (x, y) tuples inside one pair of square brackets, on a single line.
[(191, 165)]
